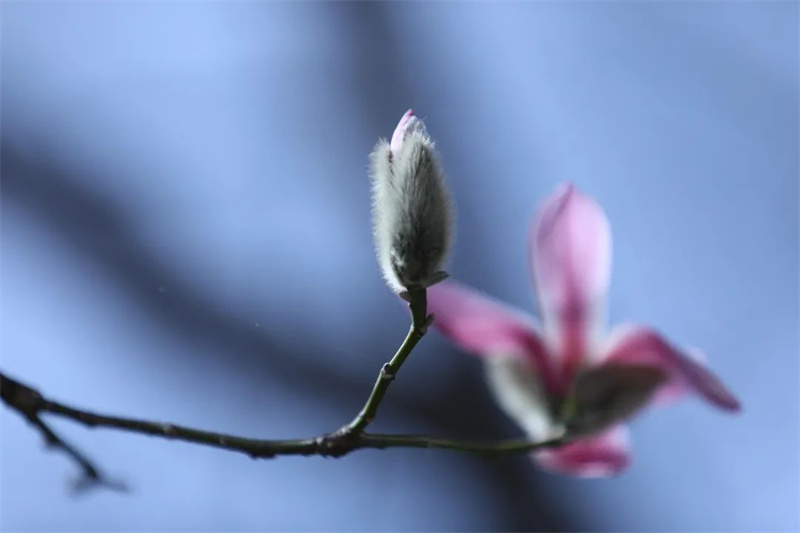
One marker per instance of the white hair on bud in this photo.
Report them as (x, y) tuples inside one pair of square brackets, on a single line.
[(412, 211), (521, 395)]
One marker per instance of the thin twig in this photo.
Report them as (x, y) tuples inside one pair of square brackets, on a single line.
[(488, 449)]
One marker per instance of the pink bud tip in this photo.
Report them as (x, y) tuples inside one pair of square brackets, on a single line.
[(400, 131)]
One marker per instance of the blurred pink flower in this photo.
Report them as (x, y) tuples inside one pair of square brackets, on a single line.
[(570, 375)]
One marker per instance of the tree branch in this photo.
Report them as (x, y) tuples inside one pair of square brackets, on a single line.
[(27, 400), (30, 403)]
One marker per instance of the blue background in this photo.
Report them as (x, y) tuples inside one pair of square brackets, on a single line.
[(185, 237)]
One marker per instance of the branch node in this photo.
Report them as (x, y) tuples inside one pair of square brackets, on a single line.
[(387, 374), (23, 398), (338, 443)]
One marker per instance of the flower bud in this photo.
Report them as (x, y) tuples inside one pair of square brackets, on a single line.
[(412, 212)]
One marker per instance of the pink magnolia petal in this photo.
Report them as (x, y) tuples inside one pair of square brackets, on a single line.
[(400, 132), (570, 253), (603, 455), (484, 326), (641, 345), (675, 390), (672, 391), (520, 393)]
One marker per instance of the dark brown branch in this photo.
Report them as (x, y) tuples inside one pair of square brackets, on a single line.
[(30, 403)]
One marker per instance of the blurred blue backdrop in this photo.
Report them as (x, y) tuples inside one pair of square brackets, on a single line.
[(185, 237)]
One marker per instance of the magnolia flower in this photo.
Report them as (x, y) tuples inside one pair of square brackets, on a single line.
[(569, 377), (412, 213)]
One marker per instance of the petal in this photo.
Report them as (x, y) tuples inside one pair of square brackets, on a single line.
[(676, 389), (609, 394), (400, 131), (520, 393), (641, 345), (570, 253), (484, 326), (602, 455)]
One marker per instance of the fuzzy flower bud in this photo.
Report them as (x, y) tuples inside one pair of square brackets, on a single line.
[(412, 213)]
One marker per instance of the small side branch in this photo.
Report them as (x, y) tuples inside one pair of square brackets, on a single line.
[(30, 403)]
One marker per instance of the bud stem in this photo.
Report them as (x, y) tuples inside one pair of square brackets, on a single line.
[(418, 303)]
